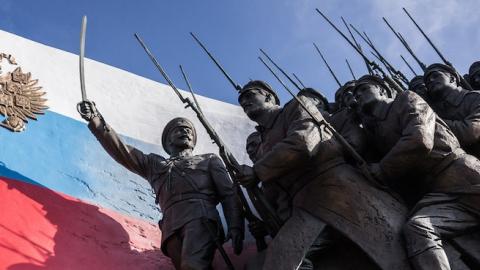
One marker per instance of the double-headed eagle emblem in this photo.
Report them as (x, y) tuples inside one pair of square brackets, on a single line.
[(20, 97)]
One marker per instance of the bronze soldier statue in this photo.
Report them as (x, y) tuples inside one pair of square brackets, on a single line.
[(458, 107), (280, 200), (414, 141), (417, 85), (276, 196), (318, 99), (474, 75), (326, 193), (188, 188), (345, 121), (253, 142)]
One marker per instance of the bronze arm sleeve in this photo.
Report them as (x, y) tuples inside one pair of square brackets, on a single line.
[(230, 203), (295, 149), (417, 123), (129, 157)]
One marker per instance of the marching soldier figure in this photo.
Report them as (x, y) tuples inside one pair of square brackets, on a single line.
[(188, 188), (317, 99), (414, 141), (474, 75), (417, 85), (458, 107), (307, 162), (345, 121)]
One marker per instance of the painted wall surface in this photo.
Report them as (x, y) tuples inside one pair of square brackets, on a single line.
[(59, 189)]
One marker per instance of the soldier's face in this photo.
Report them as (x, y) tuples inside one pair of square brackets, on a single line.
[(437, 81), (254, 103), (181, 137), (476, 81), (366, 97), (252, 146), (348, 99)]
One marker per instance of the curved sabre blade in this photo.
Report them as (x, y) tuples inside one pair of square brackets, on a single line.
[(81, 56)]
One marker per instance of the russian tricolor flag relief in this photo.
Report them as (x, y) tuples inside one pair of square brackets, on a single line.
[(65, 204)]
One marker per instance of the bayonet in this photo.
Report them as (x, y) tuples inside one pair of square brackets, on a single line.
[(370, 63), (234, 84), (405, 44), (428, 39), (373, 64), (408, 65), (463, 81), (187, 82), (328, 66), (350, 68), (369, 42), (381, 60), (281, 70), (356, 43), (263, 207), (299, 81)]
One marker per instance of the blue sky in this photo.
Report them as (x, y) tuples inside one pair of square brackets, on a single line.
[(234, 30)]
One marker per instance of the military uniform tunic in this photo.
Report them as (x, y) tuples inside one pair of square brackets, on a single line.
[(186, 188), (413, 140), (461, 112), (344, 123), (307, 162)]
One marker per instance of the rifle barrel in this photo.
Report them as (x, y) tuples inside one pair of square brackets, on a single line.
[(299, 81), (371, 63), (464, 82), (187, 82), (328, 66), (159, 67), (394, 72), (408, 65), (427, 38), (350, 68), (356, 43), (281, 70), (405, 44), (229, 78)]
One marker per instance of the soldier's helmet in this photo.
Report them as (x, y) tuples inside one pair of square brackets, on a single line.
[(374, 79), (415, 82), (441, 67), (177, 122), (474, 68), (317, 94), (348, 86), (258, 85)]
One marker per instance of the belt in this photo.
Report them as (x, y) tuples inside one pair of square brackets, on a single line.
[(186, 196)]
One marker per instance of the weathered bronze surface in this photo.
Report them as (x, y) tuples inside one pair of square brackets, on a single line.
[(188, 188), (414, 143), (308, 163)]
